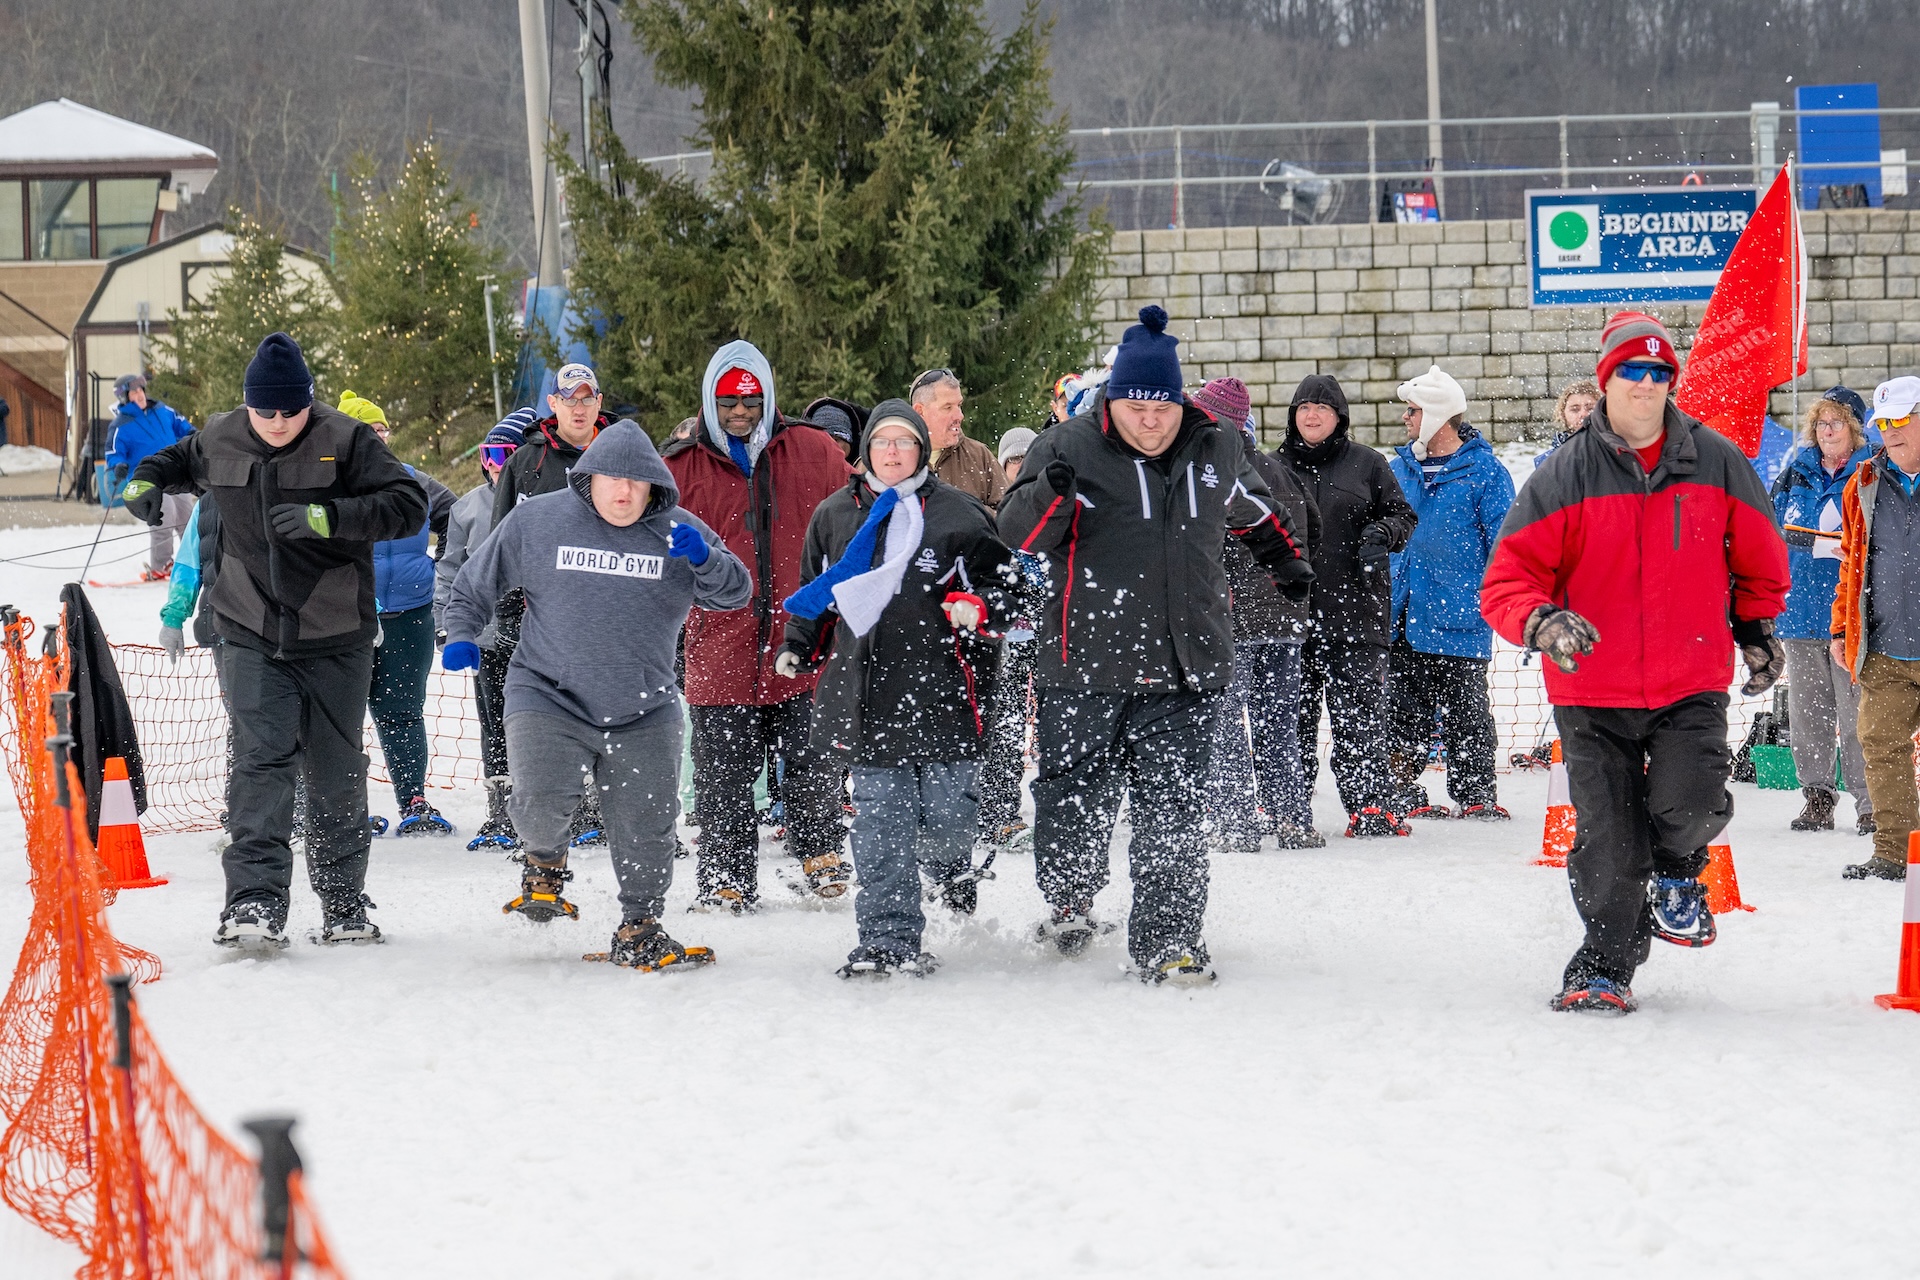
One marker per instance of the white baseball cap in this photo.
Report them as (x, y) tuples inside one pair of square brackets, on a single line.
[(1895, 398)]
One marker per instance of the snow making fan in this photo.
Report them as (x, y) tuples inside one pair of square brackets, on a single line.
[(1303, 195)]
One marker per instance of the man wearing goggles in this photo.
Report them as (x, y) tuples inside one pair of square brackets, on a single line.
[(1637, 558)]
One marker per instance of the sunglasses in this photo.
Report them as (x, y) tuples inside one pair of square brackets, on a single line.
[(931, 375), (1641, 372), (727, 404), (496, 455), (271, 414), (586, 395), (1410, 410), (1895, 424)]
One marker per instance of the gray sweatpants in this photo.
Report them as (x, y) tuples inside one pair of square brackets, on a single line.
[(554, 758), (1822, 700)]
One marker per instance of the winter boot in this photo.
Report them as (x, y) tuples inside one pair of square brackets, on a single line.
[(586, 827), (1876, 869), (1864, 825), (960, 894), (1179, 966), (722, 898), (497, 831), (1289, 836), (827, 874), (421, 819), (1594, 994), (540, 885), (872, 962), (252, 926), (1680, 914), (346, 921), (1070, 929), (644, 945), (1818, 813)]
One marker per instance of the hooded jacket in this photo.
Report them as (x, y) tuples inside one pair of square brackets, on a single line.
[(1138, 601), (763, 518), (1436, 579), (403, 568), (909, 689), (1353, 486), (138, 433), (1657, 563), (294, 597), (605, 604), (1261, 611), (1801, 495)]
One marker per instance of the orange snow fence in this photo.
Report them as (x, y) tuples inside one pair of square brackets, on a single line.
[(102, 1146)]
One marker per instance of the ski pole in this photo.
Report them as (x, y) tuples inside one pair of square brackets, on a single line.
[(106, 509)]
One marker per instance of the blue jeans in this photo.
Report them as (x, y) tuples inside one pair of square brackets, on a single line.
[(908, 819), (1266, 774)]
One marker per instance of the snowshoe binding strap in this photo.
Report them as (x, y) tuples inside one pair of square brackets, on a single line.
[(540, 885), (827, 874), (645, 946)]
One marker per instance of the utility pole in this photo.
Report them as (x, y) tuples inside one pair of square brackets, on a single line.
[(1433, 107), (487, 289), (534, 69)]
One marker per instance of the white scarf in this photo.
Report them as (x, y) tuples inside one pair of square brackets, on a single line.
[(862, 598)]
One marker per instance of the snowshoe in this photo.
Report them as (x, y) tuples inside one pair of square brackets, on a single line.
[(1071, 929), (1876, 869), (644, 945), (497, 831), (251, 926), (1289, 836), (540, 885), (347, 923), (1487, 812), (422, 819), (726, 898), (1429, 811), (1680, 915), (828, 874), (1373, 822), (872, 962), (376, 823), (150, 574), (1179, 967), (960, 894), (586, 828), (1541, 757), (1594, 995), (1010, 835)]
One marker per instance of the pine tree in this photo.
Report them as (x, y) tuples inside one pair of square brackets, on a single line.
[(413, 329), (201, 362), (884, 198)]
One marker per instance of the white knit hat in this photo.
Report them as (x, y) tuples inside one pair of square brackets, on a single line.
[(1438, 397)]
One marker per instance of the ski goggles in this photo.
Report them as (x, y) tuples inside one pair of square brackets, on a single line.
[(496, 455), (1660, 373)]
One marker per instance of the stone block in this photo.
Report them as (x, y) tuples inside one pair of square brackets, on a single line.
[(1124, 242), (1412, 300), (1451, 277), (1322, 326), (1346, 370), (1849, 335), (1508, 252), (1413, 278), (1530, 363), (1482, 299), (1463, 255), (1504, 341), (1473, 232), (1279, 237), (1360, 348), (1890, 309), (1496, 388), (1204, 238), (1355, 234), (1204, 330), (1879, 242), (1493, 277), (1881, 331), (1394, 346), (1240, 260), (1430, 345), (1213, 283), (1842, 244), (1393, 322), (1901, 286), (1241, 327), (1422, 255), (1288, 373), (1310, 258), (1243, 237), (1219, 305), (1279, 326), (1426, 232), (1353, 257), (1399, 255), (1156, 264), (1335, 281), (1866, 287), (1320, 237), (1564, 366), (1436, 321), (1161, 241), (1182, 286), (1196, 262), (1276, 348), (1331, 303), (1446, 299), (1469, 344)]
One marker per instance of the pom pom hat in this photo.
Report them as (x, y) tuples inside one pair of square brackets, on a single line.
[(1145, 366), (1636, 336), (1226, 399)]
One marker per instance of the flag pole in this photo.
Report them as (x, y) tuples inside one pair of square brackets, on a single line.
[(1793, 274)]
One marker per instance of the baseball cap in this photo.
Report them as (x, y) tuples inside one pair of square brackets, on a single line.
[(1895, 398), (571, 378)]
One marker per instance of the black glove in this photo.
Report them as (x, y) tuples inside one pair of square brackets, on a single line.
[(1294, 578), (145, 501), (440, 639), (1061, 476), (1800, 538), (1374, 537), (301, 520), (1561, 634), (1765, 657)]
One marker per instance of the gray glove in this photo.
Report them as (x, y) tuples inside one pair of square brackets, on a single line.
[(174, 641), (1562, 635)]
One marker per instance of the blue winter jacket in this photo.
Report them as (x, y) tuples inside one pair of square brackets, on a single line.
[(403, 568), (138, 432), (1803, 489), (1436, 580)]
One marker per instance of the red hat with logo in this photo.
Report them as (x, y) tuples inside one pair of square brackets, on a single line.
[(1637, 336), (737, 382)]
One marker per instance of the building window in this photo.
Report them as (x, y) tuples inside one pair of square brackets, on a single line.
[(60, 219), (13, 227), (126, 213)]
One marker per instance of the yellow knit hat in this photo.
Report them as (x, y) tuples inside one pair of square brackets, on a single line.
[(365, 410)]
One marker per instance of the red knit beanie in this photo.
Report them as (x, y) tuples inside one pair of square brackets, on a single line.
[(737, 382), (1634, 335)]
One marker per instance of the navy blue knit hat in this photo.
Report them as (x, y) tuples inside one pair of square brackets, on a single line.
[(277, 377), (512, 429), (1146, 366), (1850, 400)]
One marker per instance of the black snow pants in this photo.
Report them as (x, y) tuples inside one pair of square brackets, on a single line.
[(1155, 750), (730, 747), (1352, 677), (1649, 792), (490, 695), (1419, 687), (297, 717)]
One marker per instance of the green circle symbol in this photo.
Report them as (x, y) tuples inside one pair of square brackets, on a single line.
[(1568, 231)]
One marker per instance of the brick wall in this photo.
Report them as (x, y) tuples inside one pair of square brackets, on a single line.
[(1373, 304)]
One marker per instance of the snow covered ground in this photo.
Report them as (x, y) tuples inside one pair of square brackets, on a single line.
[(1374, 1088)]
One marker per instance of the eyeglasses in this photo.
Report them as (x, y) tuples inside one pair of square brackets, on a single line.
[(271, 414), (496, 455), (930, 376), (1641, 372), (1410, 410), (892, 444), (727, 404)]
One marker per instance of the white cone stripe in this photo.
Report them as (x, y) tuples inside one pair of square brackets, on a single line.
[(116, 805), (1558, 792), (1912, 914)]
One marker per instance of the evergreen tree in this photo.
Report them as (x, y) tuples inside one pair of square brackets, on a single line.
[(884, 198), (201, 363), (413, 329)]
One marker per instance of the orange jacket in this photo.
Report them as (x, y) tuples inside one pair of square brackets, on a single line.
[(1856, 527)]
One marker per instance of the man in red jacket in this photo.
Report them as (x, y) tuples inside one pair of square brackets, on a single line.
[(1639, 554), (755, 478)]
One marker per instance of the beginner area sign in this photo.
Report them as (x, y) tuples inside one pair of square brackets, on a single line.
[(1631, 244)]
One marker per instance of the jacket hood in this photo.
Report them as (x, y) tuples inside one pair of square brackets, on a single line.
[(1472, 443), (623, 450), (738, 354), (897, 411), (1317, 388)]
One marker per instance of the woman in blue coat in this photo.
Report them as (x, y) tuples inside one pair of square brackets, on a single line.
[(1822, 699)]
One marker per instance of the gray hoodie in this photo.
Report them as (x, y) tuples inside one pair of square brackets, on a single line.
[(738, 354), (605, 605)]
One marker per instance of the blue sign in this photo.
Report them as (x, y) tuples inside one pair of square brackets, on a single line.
[(1632, 244), (1837, 139)]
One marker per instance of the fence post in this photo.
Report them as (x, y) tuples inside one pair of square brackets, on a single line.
[(278, 1161), (1373, 170), (1563, 152), (122, 985)]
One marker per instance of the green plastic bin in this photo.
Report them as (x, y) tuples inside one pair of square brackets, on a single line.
[(1773, 769)]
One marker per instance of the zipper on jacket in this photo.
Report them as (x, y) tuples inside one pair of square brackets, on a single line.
[(1676, 518), (270, 475), (1146, 504), (1193, 504)]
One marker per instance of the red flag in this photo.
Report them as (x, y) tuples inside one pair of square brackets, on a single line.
[(1754, 336)]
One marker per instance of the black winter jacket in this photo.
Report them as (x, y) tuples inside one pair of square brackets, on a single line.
[(294, 597), (538, 466), (907, 690), (1261, 611), (1353, 486), (1139, 600)]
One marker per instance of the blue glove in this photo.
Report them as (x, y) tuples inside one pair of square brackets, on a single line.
[(686, 542), (461, 655)]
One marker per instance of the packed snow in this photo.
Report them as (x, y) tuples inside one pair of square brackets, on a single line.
[(1375, 1086), (19, 459)]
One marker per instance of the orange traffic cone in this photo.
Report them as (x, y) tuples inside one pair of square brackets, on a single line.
[(1556, 840), (1723, 886), (120, 845), (1908, 995)]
